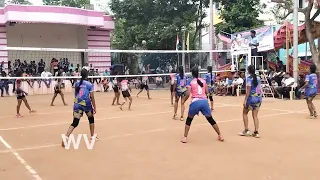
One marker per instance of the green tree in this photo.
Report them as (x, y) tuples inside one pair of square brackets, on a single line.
[(25, 2), (287, 5), (239, 15), (69, 3), (157, 23)]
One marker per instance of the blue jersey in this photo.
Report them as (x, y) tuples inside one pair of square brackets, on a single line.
[(83, 96), (254, 90), (312, 87), (210, 79), (181, 83)]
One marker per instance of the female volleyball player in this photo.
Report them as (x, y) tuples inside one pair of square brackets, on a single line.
[(171, 82), (125, 88), (57, 90), (210, 80), (144, 85), (21, 96), (115, 87), (84, 102), (311, 89), (180, 84), (199, 103), (252, 101)]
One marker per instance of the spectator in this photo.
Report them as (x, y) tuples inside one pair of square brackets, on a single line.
[(86, 67), (41, 66), (45, 74), (96, 73), (237, 81), (4, 84), (286, 83), (71, 67), (158, 81), (300, 83), (275, 88), (70, 73), (2, 68), (106, 73)]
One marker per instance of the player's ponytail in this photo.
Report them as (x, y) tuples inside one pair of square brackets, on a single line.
[(84, 75), (195, 74), (181, 73), (210, 71), (251, 71)]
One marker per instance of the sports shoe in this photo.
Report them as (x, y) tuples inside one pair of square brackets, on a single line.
[(315, 115), (245, 133), (220, 138), (184, 140), (255, 134)]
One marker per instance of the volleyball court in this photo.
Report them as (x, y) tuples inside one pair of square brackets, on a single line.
[(144, 143)]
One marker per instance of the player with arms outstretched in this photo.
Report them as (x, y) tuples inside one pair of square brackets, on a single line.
[(311, 89), (125, 88), (199, 103), (84, 103), (144, 85), (57, 90)]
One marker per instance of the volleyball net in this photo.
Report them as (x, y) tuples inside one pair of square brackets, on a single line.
[(41, 68)]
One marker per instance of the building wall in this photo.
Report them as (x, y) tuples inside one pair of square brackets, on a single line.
[(46, 36), (99, 39), (3, 44)]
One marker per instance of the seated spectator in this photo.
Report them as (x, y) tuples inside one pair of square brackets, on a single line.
[(41, 66), (71, 67), (158, 81), (237, 81), (286, 85), (4, 84), (86, 67), (275, 88), (70, 73), (222, 87), (300, 83), (96, 73), (76, 72)]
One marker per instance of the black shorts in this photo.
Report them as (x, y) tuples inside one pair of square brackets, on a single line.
[(126, 94), (21, 97), (144, 86), (57, 91), (115, 89)]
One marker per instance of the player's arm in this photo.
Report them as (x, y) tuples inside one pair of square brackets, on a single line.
[(248, 89), (306, 83), (93, 100)]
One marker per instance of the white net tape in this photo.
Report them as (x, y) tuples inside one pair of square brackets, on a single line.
[(41, 86)]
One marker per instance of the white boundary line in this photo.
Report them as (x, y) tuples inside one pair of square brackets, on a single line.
[(71, 107), (21, 160), (100, 119), (151, 131)]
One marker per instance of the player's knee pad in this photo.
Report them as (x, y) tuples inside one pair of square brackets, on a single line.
[(75, 122), (210, 97), (91, 119), (189, 121), (211, 120)]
